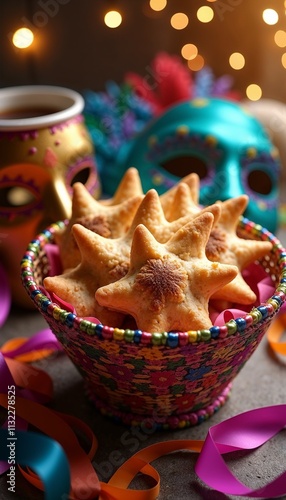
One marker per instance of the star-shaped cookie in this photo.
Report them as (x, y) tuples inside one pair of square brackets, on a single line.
[(168, 286), (150, 213), (129, 187), (108, 221), (227, 247), (183, 198), (100, 264)]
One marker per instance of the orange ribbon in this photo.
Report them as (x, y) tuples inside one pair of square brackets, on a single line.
[(275, 332), (28, 357)]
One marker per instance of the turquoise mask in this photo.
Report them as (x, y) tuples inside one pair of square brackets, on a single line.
[(220, 141)]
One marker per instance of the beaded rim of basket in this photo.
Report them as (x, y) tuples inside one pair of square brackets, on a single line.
[(171, 339)]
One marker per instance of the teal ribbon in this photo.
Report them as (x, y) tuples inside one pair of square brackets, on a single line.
[(43, 455)]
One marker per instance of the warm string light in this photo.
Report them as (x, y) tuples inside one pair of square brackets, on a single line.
[(283, 60), (205, 14), (270, 16), (254, 92), (179, 21), (189, 51), (280, 38), (237, 61), (23, 38), (112, 19), (158, 5), (197, 63)]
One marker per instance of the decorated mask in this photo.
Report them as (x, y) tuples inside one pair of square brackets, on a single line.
[(224, 144), (44, 149)]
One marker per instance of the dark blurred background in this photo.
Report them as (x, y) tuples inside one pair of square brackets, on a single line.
[(73, 47)]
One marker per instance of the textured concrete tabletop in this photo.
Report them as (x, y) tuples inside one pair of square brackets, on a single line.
[(261, 382)]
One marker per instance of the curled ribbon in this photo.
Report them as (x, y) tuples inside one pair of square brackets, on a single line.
[(246, 431), (44, 455), (5, 296), (275, 332), (39, 346)]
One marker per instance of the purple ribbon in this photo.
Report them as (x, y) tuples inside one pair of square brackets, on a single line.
[(5, 296), (246, 431), (44, 339)]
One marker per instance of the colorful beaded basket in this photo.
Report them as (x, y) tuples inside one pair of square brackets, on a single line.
[(160, 380)]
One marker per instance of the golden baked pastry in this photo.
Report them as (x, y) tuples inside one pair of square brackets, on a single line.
[(129, 187), (168, 286), (178, 200), (109, 221), (100, 264), (226, 247), (150, 213)]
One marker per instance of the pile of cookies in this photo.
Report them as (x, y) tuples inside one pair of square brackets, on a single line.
[(153, 263)]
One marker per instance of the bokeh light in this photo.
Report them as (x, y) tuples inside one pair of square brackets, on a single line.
[(113, 19), (205, 14), (280, 38), (254, 92), (189, 51), (270, 16), (179, 21), (158, 4), (283, 60), (23, 38), (236, 60), (197, 63)]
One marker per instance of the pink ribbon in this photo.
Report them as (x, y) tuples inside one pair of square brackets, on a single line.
[(44, 339), (246, 431), (5, 296)]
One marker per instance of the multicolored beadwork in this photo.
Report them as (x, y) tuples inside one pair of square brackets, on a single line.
[(166, 380)]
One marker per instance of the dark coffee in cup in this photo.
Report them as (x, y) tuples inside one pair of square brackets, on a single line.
[(26, 112)]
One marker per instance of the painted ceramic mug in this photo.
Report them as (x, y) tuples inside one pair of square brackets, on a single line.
[(45, 148)]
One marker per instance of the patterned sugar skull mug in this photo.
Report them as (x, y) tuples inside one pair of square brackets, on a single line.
[(44, 148)]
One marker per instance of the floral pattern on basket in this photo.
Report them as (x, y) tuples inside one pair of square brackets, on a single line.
[(164, 379)]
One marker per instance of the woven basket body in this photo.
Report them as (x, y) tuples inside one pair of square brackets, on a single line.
[(166, 380)]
